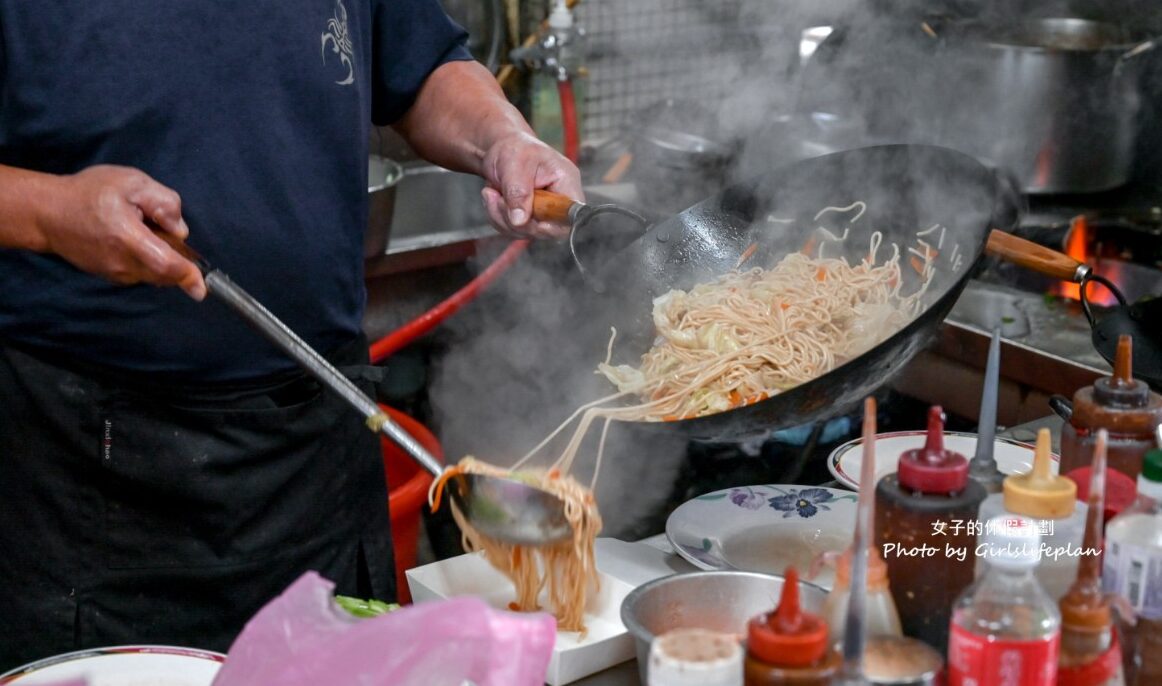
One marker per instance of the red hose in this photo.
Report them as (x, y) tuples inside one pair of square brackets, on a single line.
[(404, 335), (401, 337), (569, 119)]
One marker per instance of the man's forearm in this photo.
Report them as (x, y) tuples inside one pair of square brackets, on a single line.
[(24, 195), (460, 112)]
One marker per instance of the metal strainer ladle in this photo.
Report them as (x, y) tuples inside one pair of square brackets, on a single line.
[(504, 509)]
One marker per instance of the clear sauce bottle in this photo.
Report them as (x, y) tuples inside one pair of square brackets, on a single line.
[(922, 527), (1124, 407), (1050, 500), (1132, 569), (882, 618), (1090, 654), (789, 647)]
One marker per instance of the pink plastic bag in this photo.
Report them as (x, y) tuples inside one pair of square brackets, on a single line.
[(303, 638)]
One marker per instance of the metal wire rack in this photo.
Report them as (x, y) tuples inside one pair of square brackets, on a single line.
[(645, 51)]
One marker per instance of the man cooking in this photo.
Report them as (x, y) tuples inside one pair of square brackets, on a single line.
[(164, 471)]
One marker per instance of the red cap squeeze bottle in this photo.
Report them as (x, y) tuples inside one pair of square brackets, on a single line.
[(789, 646), (932, 469), (788, 637), (923, 528)]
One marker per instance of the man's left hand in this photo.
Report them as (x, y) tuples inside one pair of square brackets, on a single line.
[(516, 165)]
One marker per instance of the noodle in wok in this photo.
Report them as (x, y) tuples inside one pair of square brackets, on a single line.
[(748, 335)]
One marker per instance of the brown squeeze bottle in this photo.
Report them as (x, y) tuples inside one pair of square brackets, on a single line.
[(1126, 408), (926, 531), (1090, 654), (789, 647)]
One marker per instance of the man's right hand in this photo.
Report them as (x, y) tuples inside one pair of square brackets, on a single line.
[(104, 220)]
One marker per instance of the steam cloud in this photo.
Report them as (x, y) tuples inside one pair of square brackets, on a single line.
[(523, 356)]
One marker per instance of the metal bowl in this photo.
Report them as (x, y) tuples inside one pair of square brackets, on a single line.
[(382, 177), (719, 601)]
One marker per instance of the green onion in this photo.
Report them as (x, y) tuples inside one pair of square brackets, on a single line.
[(365, 608)]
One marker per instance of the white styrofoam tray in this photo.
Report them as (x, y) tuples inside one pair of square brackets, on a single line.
[(607, 642)]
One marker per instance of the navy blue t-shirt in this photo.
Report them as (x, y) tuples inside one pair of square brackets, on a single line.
[(257, 113)]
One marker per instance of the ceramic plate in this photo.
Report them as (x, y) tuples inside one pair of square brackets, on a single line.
[(1013, 457), (764, 528), (122, 666)]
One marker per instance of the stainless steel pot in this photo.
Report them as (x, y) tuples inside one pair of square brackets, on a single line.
[(382, 177), (679, 156), (1056, 101)]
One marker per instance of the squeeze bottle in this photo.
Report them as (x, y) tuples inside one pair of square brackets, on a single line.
[(923, 531), (1051, 501)]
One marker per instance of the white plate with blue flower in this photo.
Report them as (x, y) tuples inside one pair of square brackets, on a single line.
[(764, 528)]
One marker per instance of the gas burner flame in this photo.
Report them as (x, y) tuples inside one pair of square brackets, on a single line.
[(1078, 244)]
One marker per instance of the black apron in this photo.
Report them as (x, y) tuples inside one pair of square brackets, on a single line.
[(134, 512)]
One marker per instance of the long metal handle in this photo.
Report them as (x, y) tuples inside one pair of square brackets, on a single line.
[(855, 623), (278, 333)]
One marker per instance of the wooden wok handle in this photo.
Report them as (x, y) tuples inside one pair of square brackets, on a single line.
[(1030, 255), (552, 207)]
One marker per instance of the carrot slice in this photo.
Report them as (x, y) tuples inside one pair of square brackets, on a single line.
[(440, 482), (917, 264), (746, 254), (735, 398), (821, 274)]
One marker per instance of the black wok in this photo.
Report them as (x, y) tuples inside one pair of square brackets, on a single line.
[(907, 189)]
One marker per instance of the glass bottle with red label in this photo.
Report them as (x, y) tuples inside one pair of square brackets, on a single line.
[(1005, 629)]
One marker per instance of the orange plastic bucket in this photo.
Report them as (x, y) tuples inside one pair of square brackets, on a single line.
[(407, 494)]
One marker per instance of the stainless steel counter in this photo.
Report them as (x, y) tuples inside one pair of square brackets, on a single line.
[(1046, 350)]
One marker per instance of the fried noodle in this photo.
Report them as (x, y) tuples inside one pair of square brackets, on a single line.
[(749, 335), (565, 569)]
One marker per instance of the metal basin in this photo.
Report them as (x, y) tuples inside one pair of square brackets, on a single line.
[(383, 175), (719, 601), (435, 206)]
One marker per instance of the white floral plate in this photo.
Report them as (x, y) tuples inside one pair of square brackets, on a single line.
[(122, 666), (764, 528), (1013, 457)]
